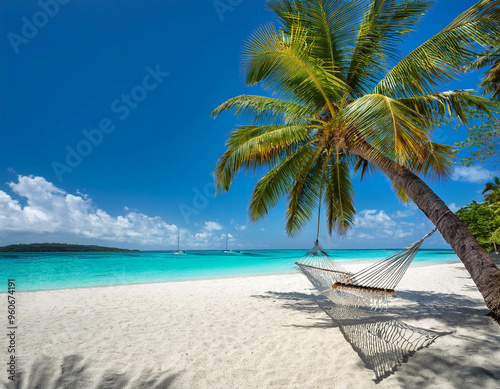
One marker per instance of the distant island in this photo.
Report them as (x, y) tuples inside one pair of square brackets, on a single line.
[(60, 248)]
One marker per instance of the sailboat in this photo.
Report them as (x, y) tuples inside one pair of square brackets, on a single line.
[(179, 251), (226, 251)]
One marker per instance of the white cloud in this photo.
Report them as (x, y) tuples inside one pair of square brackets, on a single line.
[(207, 236), (377, 224), (470, 174), (201, 236), (401, 214), (400, 233), (212, 226), (50, 210), (364, 236), (453, 207), (370, 218), (240, 228)]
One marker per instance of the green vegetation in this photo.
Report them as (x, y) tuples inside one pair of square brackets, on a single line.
[(58, 248), (483, 219)]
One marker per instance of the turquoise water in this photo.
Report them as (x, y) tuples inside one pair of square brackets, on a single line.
[(37, 271)]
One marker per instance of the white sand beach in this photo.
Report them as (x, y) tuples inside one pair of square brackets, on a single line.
[(248, 332)]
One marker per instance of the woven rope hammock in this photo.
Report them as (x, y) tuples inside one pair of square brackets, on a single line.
[(370, 287)]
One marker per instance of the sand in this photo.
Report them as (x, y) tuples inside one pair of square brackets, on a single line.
[(248, 332)]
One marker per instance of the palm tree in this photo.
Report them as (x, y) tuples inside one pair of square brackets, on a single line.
[(343, 101), (491, 191)]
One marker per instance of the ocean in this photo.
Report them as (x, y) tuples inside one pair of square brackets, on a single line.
[(42, 271)]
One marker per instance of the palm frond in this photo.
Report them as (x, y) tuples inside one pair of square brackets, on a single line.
[(284, 65), (491, 80), (365, 166), (289, 12), (380, 35), (389, 126), (489, 57), (492, 186), (444, 56), (333, 26), (255, 146), (450, 102), (260, 109), (278, 182), (435, 162), (400, 194)]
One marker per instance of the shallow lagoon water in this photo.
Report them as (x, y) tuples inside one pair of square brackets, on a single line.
[(39, 271)]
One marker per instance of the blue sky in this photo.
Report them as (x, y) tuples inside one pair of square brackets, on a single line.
[(148, 74)]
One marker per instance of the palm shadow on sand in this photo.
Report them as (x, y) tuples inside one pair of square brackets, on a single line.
[(73, 374)]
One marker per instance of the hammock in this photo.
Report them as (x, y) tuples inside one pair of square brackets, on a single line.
[(370, 287)]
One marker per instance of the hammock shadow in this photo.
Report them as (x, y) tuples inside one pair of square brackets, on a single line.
[(381, 341), (74, 374)]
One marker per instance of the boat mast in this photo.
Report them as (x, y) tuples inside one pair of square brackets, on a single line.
[(226, 240), (178, 239)]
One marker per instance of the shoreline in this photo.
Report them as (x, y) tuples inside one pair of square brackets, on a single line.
[(356, 265)]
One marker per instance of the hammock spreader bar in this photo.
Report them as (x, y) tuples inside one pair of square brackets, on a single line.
[(340, 285)]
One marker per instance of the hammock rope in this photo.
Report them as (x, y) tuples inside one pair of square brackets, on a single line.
[(321, 270)]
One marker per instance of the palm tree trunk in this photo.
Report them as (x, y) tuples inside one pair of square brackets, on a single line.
[(478, 263)]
